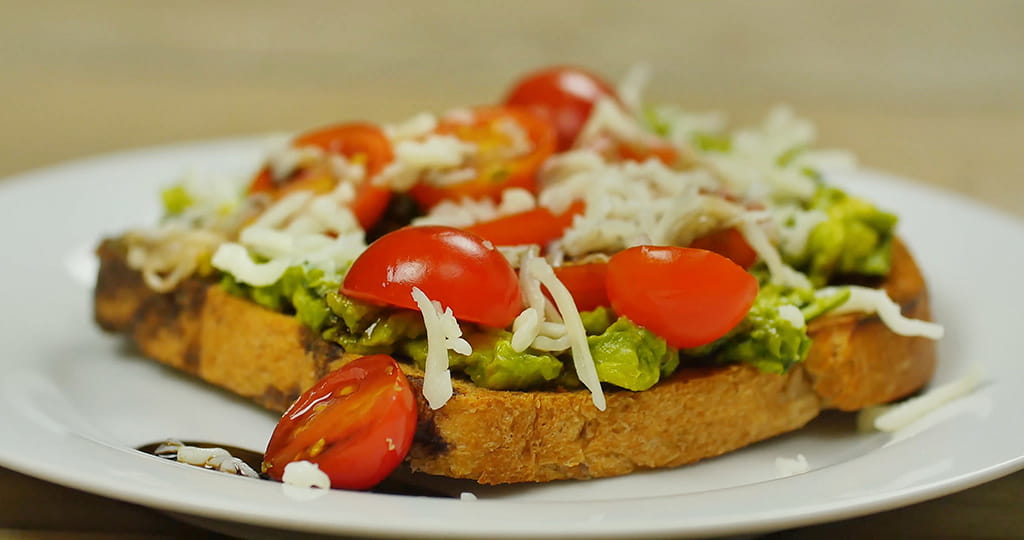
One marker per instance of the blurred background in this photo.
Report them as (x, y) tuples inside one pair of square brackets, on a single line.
[(933, 90), (929, 89)]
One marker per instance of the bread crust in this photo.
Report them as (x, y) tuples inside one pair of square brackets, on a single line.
[(498, 437)]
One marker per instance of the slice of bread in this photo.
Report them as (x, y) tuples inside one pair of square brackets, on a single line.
[(498, 437)]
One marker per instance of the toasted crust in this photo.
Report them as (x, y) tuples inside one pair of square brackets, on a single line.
[(499, 436)]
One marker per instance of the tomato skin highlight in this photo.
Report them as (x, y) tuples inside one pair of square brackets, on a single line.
[(452, 266), (357, 424), (565, 96), (587, 283), (357, 140), (538, 226), (495, 173), (690, 297), (728, 243)]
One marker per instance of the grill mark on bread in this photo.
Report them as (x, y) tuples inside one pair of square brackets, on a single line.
[(276, 399)]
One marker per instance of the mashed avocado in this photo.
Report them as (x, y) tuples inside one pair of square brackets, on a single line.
[(766, 339), (856, 238), (495, 364), (298, 291), (631, 357)]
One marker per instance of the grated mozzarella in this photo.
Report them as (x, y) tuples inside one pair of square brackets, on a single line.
[(582, 360), (781, 273), (416, 127), (305, 474), (285, 159), (443, 334), (608, 118), (751, 167), (631, 203), (792, 315), (867, 300), (217, 459), (525, 329), (414, 158), (891, 418), (791, 466), (303, 228), (631, 88), (466, 211), (794, 226)]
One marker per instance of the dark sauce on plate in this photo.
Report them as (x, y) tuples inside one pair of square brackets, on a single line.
[(401, 482)]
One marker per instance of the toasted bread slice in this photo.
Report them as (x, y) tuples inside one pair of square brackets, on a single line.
[(500, 436)]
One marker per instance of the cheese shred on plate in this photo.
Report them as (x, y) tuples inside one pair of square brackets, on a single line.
[(443, 335), (892, 418)]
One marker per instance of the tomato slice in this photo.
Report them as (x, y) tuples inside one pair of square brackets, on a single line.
[(356, 424), (662, 151), (565, 96), (587, 283), (537, 226), (500, 163), (356, 141), (689, 297), (456, 268), (728, 243)]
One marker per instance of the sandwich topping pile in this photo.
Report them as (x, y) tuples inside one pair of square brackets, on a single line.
[(571, 238)]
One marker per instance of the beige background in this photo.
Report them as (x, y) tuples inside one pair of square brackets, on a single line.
[(932, 90)]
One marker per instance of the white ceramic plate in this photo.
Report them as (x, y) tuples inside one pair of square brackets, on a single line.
[(76, 401)]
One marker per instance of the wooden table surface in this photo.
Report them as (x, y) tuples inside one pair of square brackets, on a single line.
[(930, 90)]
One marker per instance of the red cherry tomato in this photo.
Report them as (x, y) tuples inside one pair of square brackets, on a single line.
[(537, 226), (563, 95), (587, 283), (689, 297), (728, 243), (499, 163), (356, 424), (356, 141), (454, 267)]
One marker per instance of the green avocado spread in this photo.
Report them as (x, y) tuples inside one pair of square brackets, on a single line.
[(853, 238)]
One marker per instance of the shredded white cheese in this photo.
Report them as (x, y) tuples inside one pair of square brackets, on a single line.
[(751, 167), (418, 126), (892, 418), (867, 300), (781, 273), (305, 474), (414, 158), (525, 329), (791, 466), (443, 334), (316, 231), (631, 87), (631, 203), (217, 459), (466, 211), (582, 360), (792, 315)]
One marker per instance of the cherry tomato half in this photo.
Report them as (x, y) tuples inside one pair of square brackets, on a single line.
[(587, 283), (689, 297), (356, 141), (537, 226), (456, 268), (356, 424), (728, 243), (500, 163), (563, 95)]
